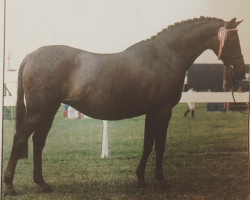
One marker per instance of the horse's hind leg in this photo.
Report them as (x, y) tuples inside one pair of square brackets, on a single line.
[(19, 146), (39, 138)]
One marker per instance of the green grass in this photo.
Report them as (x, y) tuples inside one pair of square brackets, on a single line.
[(205, 158)]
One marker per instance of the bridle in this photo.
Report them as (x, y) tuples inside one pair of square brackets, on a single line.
[(222, 36), (238, 56)]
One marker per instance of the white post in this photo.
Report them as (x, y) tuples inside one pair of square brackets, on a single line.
[(105, 148)]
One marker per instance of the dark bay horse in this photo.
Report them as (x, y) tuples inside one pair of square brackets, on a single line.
[(147, 78)]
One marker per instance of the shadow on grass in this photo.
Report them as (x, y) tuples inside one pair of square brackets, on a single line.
[(216, 187)]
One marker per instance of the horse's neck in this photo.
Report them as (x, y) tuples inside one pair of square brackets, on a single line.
[(186, 43)]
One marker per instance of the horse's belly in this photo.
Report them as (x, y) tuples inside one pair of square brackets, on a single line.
[(106, 111), (122, 105)]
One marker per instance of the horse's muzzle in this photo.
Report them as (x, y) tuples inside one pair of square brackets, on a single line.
[(238, 74), (238, 70)]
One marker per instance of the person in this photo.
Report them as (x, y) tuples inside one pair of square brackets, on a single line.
[(191, 105), (185, 82), (239, 89)]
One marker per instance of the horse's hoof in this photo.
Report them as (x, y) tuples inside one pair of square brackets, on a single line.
[(46, 189), (10, 192), (141, 184)]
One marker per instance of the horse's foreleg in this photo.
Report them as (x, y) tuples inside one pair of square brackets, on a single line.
[(155, 130), (147, 148), (19, 146), (160, 140)]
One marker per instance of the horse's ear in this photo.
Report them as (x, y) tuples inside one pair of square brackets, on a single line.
[(232, 21), (233, 24), (237, 23)]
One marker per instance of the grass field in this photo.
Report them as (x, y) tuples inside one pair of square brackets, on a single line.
[(205, 158)]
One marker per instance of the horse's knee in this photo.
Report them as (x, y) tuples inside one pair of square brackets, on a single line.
[(38, 140)]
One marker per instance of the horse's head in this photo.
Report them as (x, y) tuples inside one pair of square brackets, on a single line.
[(229, 50)]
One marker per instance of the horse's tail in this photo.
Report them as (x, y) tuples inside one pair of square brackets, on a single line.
[(21, 108)]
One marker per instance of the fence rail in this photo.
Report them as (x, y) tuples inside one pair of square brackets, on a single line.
[(202, 97)]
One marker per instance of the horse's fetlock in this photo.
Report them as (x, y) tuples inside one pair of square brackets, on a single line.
[(38, 179)]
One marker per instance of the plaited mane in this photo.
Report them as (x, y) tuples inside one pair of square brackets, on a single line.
[(188, 21)]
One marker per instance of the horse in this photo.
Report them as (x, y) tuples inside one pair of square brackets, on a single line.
[(144, 79)]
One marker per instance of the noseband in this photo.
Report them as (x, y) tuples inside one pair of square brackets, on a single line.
[(238, 56)]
